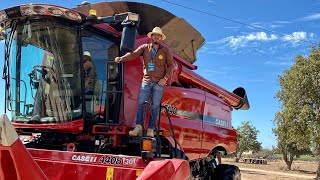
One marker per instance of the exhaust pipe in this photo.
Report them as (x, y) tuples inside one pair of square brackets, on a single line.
[(241, 92)]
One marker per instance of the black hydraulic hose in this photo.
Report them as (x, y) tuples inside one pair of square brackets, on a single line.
[(6, 73), (122, 88), (172, 131), (158, 134)]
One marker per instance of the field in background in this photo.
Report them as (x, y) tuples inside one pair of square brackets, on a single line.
[(301, 158), (275, 170)]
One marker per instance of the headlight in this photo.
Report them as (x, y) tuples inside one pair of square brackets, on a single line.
[(39, 9), (55, 11)]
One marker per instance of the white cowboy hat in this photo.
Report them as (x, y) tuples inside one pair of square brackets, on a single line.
[(157, 30), (86, 53)]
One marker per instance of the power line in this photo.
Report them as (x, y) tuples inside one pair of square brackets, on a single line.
[(238, 22)]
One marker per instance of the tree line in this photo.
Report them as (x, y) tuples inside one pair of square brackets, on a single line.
[(298, 121)]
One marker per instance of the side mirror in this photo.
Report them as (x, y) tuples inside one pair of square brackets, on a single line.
[(130, 22), (128, 38), (241, 92), (129, 32)]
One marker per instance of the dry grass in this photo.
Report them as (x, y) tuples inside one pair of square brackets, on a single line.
[(300, 168)]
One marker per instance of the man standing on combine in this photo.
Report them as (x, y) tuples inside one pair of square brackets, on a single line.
[(157, 69)]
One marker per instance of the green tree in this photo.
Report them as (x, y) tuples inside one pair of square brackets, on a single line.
[(289, 144), (298, 122), (247, 139)]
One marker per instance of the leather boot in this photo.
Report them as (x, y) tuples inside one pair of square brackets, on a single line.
[(137, 131)]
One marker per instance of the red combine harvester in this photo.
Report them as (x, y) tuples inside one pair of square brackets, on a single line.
[(53, 129)]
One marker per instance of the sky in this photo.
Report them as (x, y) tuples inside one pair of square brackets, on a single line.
[(236, 55)]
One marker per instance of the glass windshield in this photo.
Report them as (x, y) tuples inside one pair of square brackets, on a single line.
[(44, 66)]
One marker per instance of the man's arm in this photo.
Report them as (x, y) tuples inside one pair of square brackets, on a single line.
[(169, 62), (131, 55)]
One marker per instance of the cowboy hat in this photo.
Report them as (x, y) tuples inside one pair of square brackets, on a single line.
[(157, 30)]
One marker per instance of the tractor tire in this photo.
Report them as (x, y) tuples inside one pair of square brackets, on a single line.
[(226, 172)]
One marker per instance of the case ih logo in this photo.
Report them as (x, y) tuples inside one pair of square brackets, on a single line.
[(107, 160), (84, 158), (223, 123), (171, 109)]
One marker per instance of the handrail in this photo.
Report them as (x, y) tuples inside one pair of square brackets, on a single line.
[(171, 128)]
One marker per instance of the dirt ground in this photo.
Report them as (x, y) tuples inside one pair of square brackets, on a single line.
[(275, 170)]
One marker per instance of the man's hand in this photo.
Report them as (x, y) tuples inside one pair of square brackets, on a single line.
[(118, 59), (162, 82)]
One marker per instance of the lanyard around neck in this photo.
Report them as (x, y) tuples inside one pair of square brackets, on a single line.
[(153, 53)]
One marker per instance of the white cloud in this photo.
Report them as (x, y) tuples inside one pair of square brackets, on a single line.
[(210, 1), (312, 17), (273, 37), (295, 36), (234, 28), (221, 41), (282, 22), (257, 37), (256, 25), (311, 35), (264, 25), (241, 41), (259, 43), (273, 26)]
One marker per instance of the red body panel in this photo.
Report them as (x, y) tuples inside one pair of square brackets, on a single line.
[(196, 131), (167, 169), (18, 163), (197, 110), (73, 126)]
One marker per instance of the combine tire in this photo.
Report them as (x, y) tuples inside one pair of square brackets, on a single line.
[(226, 172)]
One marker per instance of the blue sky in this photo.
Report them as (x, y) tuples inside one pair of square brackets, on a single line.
[(235, 55)]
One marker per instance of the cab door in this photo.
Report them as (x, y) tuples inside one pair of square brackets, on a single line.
[(104, 102)]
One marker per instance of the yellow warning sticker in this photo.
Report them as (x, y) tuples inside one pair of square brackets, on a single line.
[(110, 173), (160, 56), (138, 172)]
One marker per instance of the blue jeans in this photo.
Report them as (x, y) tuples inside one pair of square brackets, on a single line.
[(154, 91)]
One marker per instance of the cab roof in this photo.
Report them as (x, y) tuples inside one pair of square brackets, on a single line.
[(182, 37)]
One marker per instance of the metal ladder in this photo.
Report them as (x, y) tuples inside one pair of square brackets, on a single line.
[(115, 88)]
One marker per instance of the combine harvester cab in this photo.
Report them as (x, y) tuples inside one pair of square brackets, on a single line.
[(55, 128)]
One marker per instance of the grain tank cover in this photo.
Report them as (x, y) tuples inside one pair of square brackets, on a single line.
[(183, 38)]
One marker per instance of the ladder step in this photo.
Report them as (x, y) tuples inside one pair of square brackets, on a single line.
[(109, 124)]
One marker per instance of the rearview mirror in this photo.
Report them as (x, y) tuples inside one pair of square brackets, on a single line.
[(128, 38)]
